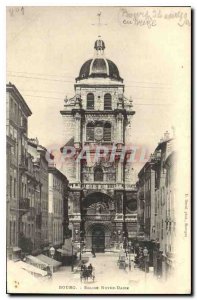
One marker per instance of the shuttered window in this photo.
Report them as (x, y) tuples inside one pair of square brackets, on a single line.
[(90, 101), (107, 102), (107, 132), (90, 132)]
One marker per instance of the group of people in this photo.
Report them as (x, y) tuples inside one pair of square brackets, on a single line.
[(87, 272), (142, 258), (87, 268)]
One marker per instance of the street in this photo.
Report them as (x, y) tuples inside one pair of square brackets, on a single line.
[(108, 278)]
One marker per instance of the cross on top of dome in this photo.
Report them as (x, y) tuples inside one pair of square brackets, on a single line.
[(99, 44), (99, 66)]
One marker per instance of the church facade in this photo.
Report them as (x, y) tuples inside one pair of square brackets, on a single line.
[(102, 200)]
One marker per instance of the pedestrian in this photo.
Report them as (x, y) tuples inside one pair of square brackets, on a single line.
[(90, 268), (49, 273), (129, 265), (93, 252), (83, 266)]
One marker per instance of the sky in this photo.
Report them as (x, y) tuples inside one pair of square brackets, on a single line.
[(46, 47)]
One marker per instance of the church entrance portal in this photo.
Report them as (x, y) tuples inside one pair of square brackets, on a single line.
[(98, 238)]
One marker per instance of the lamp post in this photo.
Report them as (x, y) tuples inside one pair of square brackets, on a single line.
[(125, 241), (124, 245), (72, 267), (78, 235), (145, 253), (119, 233), (52, 253), (82, 243)]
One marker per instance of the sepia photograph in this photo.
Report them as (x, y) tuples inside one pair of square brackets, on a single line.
[(98, 157)]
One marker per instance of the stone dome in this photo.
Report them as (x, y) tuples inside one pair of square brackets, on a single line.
[(99, 66)]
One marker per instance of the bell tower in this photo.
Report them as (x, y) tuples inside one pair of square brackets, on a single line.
[(100, 113)]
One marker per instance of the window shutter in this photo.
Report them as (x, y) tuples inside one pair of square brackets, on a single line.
[(90, 132), (90, 101), (107, 132), (107, 102)]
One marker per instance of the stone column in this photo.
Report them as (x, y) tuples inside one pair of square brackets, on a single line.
[(78, 168), (75, 215), (119, 218), (77, 139), (77, 144), (119, 137), (119, 143)]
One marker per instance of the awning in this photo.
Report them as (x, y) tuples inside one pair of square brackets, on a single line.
[(24, 277), (48, 260), (31, 268), (39, 263), (16, 249)]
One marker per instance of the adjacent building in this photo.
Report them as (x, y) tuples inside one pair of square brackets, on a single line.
[(57, 207), (165, 221), (17, 113), (156, 199), (27, 186), (146, 201), (40, 163)]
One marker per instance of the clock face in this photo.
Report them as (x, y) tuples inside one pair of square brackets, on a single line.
[(98, 133)]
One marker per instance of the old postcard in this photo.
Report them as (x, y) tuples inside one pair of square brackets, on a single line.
[(98, 150)]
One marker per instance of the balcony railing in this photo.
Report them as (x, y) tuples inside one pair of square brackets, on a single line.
[(100, 217), (131, 218), (93, 185), (119, 217), (98, 186), (130, 187), (74, 217), (102, 186), (24, 203)]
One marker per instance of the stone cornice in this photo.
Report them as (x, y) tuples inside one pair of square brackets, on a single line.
[(97, 112)]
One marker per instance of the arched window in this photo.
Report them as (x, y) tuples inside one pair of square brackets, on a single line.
[(107, 132), (98, 174), (107, 102), (90, 101), (90, 132)]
